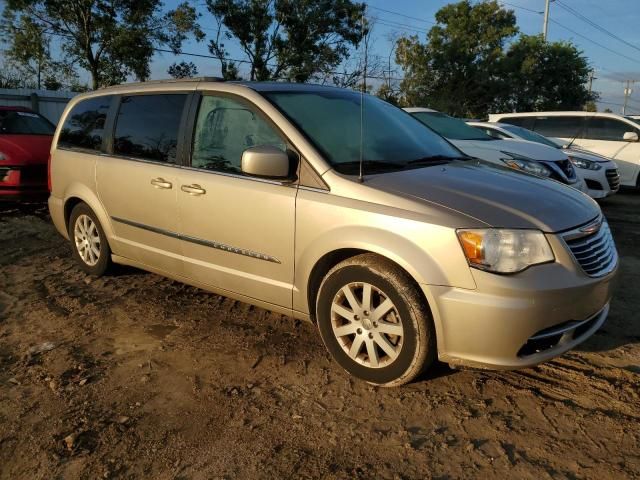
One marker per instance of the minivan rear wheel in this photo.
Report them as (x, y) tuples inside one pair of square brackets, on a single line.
[(374, 321), (88, 241)]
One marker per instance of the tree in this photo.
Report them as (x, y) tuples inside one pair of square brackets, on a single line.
[(183, 70), (292, 39), (388, 94), (29, 49), (591, 106), (544, 76), (111, 39), (458, 69)]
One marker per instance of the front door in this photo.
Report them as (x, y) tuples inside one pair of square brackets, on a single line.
[(605, 136), (237, 231), (138, 181)]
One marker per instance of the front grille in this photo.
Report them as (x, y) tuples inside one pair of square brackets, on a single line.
[(567, 168), (613, 178), (595, 252)]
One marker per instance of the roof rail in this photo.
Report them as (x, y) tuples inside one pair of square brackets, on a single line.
[(169, 80)]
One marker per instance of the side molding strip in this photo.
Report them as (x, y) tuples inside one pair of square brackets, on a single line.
[(199, 241)]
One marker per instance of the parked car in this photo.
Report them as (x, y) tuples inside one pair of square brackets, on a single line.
[(25, 140), (530, 157), (398, 246), (600, 174), (607, 134)]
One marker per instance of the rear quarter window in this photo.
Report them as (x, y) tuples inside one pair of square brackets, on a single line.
[(83, 127)]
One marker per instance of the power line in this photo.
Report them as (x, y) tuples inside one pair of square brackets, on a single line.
[(402, 15), (595, 25), (594, 42)]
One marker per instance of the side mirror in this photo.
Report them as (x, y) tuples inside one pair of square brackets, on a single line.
[(266, 161), (630, 137)]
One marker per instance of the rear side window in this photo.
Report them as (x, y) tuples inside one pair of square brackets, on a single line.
[(16, 122), (84, 126), (563, 127), (601, 128), (147, 127)]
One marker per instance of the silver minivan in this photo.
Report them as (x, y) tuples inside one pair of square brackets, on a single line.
[(337, 208)]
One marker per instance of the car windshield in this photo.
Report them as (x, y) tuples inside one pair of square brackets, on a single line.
[(449, 127), (16, 122), (383, 136), (531, 136), (633, 119)]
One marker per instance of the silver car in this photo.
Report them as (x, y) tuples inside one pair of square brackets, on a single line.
[(337, 208)]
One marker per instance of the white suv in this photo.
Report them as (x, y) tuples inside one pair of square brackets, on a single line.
[(606, 134)]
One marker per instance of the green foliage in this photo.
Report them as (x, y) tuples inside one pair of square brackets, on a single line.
[(544, 76), (466, 70), (292, 39), (110, 39), (458, 69), (591, 106), (183, 70), (388, 94)]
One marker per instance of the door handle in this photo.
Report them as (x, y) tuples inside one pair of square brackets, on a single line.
[(160, 183), (194, 189)]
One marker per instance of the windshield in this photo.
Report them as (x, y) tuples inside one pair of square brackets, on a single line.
[(449, 127), (15, 122), (391, 139), (634, 119), (529, 135)]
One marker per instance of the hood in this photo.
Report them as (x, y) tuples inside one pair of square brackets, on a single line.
[(25, 149), (532, 150), (499, 197)]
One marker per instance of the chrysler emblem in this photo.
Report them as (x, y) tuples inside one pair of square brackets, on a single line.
[(592, 227)]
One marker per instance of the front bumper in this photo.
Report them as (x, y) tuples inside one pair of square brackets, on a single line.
[(601, 183), (515, 321)]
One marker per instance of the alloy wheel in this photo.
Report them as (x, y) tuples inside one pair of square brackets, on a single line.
[(87, 240), (367, 324)]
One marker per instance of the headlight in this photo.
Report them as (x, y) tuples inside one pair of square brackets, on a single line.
[(504, 251), (584, 163), (2, 156), (526, 164)]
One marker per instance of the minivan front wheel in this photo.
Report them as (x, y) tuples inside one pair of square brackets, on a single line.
[(88, 241), (374, 321)]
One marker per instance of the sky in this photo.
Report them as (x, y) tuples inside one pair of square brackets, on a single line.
[(613, 59)]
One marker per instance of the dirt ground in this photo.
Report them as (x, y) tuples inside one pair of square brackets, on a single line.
[(136, 376)]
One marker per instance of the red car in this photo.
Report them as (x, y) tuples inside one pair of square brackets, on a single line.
[(25, 140)]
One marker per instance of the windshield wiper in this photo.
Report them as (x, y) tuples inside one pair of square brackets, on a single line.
[(434, 159), (369, 166)]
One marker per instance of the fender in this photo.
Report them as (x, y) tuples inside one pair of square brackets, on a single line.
[(432, 266)]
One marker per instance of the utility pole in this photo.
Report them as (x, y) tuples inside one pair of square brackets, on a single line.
[(591, 79), (545, 25), (627, 93)]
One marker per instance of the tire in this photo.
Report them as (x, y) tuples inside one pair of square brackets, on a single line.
[(86, 232), (387, 348)]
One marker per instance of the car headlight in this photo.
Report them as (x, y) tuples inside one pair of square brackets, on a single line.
[(526, 164), (584, 163), (504, 251), (2, 156)]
